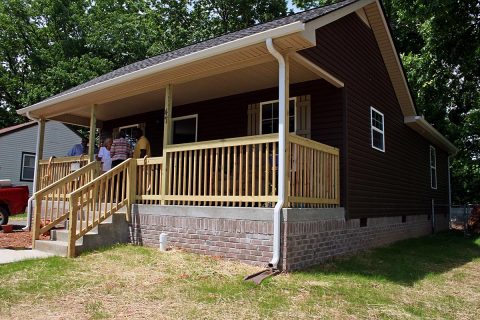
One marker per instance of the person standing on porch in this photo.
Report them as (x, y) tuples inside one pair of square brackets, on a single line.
[(79, 149), (120, 150), (104, 155), (142, 148)]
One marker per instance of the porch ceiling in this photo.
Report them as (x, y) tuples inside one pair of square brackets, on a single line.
[(259, 74)]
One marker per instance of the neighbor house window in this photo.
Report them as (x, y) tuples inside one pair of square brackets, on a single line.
[(269, 116), (184, 129), (28, 166), (433, 168), (377, 129)]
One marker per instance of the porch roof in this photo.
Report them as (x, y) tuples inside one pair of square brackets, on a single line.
[(226, 65), (290, 34)]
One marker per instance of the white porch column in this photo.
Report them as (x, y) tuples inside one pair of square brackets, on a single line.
[(93, 129), (167, 125), (167, 136), (39, 153), (284, 120)]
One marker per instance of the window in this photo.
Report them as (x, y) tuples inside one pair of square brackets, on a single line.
[(269, 116), (433, 168), (377, 129), (185, 129), (129, 136), (28, 166)]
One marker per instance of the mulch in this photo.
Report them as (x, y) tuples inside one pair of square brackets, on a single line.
[(18, 240)]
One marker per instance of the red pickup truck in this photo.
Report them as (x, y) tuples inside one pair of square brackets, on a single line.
[(13, 200)]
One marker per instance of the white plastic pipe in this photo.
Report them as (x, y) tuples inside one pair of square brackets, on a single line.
[(37, 152), (163, 239), (282, 137)]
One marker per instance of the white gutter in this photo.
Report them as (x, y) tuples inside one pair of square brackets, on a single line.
[(419, 124), (282, 137), (192, 57), (37, 152)]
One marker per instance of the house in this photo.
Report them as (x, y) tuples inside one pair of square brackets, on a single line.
[(286, 143), (17, 158)]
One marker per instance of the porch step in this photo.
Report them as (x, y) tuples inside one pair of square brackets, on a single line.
[(113, 230)]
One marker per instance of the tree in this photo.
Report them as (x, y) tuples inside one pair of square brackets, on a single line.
[(231, 15), (48, 46)]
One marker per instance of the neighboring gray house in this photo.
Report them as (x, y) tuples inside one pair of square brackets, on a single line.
[(17, 149)]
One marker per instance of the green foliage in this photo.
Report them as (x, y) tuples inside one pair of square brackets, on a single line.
[(49, 46)]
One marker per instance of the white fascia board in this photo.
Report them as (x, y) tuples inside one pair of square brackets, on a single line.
[(313, 25), (423, 127), (256, 38)]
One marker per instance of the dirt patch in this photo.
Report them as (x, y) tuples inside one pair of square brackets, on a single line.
[(18, 240)]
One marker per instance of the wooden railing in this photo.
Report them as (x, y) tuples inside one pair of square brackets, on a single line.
[(99, 199), (54, 169), (241, 172), (314, 174), (149, 180), (237, 172), (231, 172), (51, 205)]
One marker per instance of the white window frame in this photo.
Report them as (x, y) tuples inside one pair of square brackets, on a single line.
[(273, 101), (22, 178), (373, 128), (129, 126), (184, 118), (433, 168)]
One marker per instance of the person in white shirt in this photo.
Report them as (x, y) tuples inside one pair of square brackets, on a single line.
[(104, 155)]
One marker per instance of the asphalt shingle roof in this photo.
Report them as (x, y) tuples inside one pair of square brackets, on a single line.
[(304, 16)]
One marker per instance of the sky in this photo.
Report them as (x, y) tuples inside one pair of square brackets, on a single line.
[(291, 6)]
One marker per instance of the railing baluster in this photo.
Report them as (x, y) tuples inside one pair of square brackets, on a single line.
[(189, 174), (194, 186), (260, 172), (240, 176), (234, 193), (222, 173), (228, 174)]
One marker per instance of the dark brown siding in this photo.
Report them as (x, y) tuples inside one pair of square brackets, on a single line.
[(396, 182), (227, 117)]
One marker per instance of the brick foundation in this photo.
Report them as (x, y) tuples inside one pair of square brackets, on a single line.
[(307, 243), (309, 236), (218, 234)]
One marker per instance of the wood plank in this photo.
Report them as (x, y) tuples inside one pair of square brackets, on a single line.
[(93, 129), (219, 199), (225, 142)]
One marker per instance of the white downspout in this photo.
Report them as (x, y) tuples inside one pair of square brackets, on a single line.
[(281, 148), (37, 151)]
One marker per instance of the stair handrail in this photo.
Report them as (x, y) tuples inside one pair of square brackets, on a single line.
[(99, 199), (71, 176), (57, 193)]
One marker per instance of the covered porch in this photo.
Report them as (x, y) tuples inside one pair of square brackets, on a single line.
[(273, 164)]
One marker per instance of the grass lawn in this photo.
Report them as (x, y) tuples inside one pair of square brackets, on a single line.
[(435, 277), (22, 216)]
